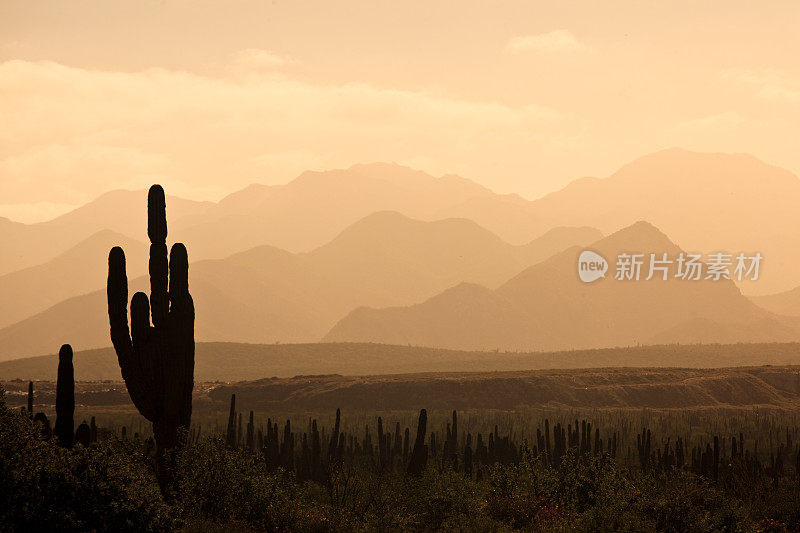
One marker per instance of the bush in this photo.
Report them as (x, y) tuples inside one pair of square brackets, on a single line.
[(106, 487)]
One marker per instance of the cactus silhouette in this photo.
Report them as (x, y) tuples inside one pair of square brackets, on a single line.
[(83, 435), (419, 455), (65, 398), (157, 361), (230, 438), (30, 398)]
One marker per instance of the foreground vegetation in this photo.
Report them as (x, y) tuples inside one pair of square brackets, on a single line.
[(253, 476)]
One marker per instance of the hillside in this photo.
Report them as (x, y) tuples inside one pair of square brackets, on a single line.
[(27, 245), (79, 270), (267, 295), (705, 201), (314, 207), (586, 389), (546, 307), (236, 361), (673, 189), (783, 303)]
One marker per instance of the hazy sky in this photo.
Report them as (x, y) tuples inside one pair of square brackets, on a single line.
[(206, 97)]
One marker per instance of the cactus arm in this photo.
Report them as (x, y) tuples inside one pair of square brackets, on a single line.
[(140, 321), (180, 369), (129, 362), (117, 291), (157, 232)]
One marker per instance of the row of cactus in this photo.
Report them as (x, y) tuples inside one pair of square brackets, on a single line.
[(305, 453), (312, 454)]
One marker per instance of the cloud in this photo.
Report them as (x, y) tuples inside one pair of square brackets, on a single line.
[(554, 41), (259, 60), (728, 119), (768, 84), (71, 133), (35, 212)]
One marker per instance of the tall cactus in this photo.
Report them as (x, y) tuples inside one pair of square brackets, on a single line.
[(157, 361), (30, 399), (334, 442), (419, 455), (230, 439), (65, 398)]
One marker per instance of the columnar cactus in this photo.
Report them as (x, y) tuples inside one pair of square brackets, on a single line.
[(65, 398), (419, 455), (83, 435), (157, 361), (230, 436), (30, 398), (334, 442), (287, 447), (250, 443)]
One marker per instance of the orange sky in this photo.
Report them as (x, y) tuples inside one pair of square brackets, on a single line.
[(206, 97)]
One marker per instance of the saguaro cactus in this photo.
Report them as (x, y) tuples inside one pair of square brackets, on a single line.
[(65, 398), (157, 361)]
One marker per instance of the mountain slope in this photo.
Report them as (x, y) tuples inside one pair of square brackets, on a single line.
[(547, 307), (313, 208), (707, 202), (79, 270), (783, 303), (26, 245), (267, 295)]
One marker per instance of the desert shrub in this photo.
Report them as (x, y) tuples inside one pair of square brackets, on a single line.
[(106, 487), (233, 486)]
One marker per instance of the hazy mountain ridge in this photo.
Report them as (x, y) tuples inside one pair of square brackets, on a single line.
[(783, 303), (268, 295), (26, 245), (706, 202), (546, 307), (79, 270)]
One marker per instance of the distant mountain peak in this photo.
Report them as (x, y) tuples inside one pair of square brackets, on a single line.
[(699, 165), (639, 237)]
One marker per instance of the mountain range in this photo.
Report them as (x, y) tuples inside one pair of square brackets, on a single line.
[(547, 307), (704, 201), (267, 295), (381, 252)]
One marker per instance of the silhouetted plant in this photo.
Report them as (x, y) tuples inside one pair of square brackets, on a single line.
[(30, 398), (83, 435), (230, 439), (334, 442), (157, 361), (42, 419), (65, 397), (419, 455), (250, 443)]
